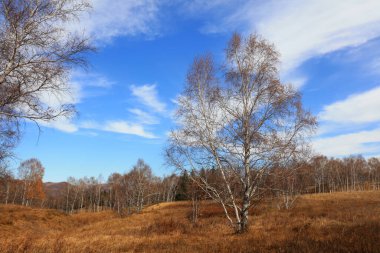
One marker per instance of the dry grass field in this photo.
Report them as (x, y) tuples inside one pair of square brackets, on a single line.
[(340, 222)]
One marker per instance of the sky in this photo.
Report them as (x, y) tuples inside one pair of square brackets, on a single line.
[(330, 51)]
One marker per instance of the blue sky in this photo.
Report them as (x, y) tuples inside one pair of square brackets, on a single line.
[(330, 51)]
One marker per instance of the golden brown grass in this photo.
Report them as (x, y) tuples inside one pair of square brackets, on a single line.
[(340, 222)]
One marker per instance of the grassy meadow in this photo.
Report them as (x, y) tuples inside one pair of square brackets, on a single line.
[(338, 222)]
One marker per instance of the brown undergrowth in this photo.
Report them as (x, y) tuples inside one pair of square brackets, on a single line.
[(339, 222)]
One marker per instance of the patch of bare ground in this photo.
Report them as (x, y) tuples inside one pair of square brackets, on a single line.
[(339, 222)]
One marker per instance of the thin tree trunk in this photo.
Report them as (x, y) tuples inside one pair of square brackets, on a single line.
[(244, 224), (7, 194)]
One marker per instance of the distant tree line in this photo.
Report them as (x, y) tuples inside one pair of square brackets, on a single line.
[(318, 175), (132, 191), (124, 193)]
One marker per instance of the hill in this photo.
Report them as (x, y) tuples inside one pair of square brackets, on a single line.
[(339, 222), (54, 189)]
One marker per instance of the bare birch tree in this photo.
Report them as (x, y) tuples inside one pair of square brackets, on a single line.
[(140, 177), (37, 52), (31, 173), (240, 122)]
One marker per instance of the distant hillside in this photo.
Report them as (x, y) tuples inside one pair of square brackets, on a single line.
[(54, 189)]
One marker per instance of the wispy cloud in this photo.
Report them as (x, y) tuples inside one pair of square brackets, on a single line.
[(71, 95), (118, 126), (62, 124), (147, 95), (78, 83), (353, 115), (357, 108), (110, 19), (55, 100), (91, 79), (363, 142), (128, 128), (144, 117), (303, 29), (298, 82)]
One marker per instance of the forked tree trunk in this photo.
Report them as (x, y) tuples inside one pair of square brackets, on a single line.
[(243, 225)]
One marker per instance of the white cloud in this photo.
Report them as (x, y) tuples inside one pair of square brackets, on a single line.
[(353, 115), (73, 94), (127, 128), (147, 94), (91, 79), (109, 19), (357, 108), (298, 82), (61, 124), (364, 142), (144, 117), (118, 126), (89, 124), (304, 29)]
